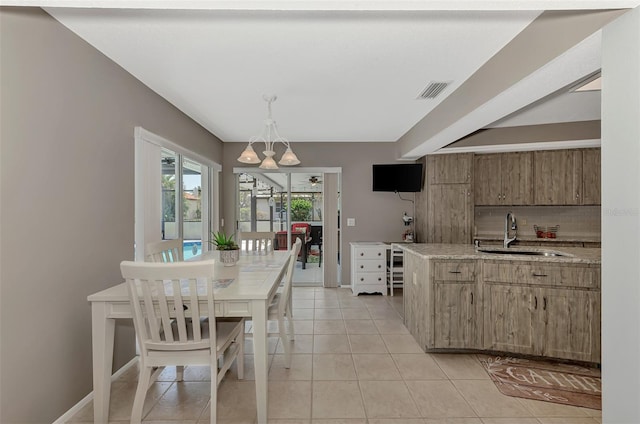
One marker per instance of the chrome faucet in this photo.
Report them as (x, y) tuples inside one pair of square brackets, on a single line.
[(514, 227)]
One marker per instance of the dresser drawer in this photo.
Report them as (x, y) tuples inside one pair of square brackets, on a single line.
[(455, 271), (370, 278), (369, 266), (561, 275), (369, 253)]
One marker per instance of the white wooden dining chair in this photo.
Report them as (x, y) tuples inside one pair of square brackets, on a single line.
[(174, 328), (280, 306), (164, 251), (256, 241)]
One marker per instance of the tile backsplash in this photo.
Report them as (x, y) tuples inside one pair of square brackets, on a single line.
[(573, 221)]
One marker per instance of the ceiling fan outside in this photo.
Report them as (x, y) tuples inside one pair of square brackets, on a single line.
[(314, 180)]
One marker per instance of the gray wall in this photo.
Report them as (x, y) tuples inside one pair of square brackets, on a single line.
[(621, 220), (378, 215), (67, 204)]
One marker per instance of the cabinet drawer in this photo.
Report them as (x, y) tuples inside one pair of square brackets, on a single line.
[(455, 271), (362, 253), (566, 275), (369, 266), (370, 278)]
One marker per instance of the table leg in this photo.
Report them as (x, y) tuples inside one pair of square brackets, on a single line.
[(260, 358), (103, 331)]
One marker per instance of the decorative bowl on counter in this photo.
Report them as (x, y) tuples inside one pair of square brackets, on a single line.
[(546, 231)]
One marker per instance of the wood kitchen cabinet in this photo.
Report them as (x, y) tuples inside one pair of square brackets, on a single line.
[(456, 305), (416, 297), (571, 320), (449, 213), (591, 177), (449, 199), (558, 177), (567, 177), (503, 179), (509, 321), (543, 309), (449, 169)]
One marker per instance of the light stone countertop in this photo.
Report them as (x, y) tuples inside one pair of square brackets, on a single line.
[(563, 239), (579, 255)]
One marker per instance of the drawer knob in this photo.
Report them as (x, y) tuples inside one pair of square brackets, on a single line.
[(379, 254), (362, 279), (379, 279), (361, 266), (361, 253), (379, 266)]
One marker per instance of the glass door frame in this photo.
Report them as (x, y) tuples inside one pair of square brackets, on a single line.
[(148, 208), (289, 171)]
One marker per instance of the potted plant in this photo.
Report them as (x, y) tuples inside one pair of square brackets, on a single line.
[(229, 249)]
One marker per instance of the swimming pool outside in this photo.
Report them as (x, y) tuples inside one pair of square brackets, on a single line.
[(191, 248)]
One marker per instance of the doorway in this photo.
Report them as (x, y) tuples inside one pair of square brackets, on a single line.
[(284, 201)]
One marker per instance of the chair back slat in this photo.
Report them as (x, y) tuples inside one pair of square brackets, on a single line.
[(164, 297), (165, 315), (195, 308), (179, 307), (286, 289), (164, 251), (256, 241)]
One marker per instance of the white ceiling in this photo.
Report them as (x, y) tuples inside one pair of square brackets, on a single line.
[(340, 75)]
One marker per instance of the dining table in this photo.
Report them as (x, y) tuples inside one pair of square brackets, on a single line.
[(243, 290)]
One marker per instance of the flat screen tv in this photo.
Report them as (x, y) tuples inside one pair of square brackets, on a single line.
[(402, 177)]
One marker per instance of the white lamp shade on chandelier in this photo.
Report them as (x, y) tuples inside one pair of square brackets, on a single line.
[(269, 137)]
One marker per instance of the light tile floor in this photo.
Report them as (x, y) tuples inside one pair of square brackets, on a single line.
[(354, 363)]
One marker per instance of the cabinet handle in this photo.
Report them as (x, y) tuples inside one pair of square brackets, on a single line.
[(455, 272), (539, 275), (472, 298), (577, 195), (535, 298), (544, 303)]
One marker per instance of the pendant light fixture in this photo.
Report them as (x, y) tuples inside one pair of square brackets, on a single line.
[(269, 137)]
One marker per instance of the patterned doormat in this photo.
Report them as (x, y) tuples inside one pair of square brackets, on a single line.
[(546, 381)]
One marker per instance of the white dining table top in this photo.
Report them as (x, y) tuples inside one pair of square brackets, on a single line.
[(253, 278)]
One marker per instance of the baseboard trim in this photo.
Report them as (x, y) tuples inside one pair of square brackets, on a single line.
[(88, 398)]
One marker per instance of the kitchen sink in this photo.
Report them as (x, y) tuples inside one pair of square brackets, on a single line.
[(529, 252)]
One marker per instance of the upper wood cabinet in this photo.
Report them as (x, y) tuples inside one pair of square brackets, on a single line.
[(503, 179), (558, 177), (567, 177), (449, 169), (449, 214), (449, 199), (591, 177)]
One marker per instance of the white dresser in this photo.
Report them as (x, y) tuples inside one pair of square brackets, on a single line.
[(368, 267)]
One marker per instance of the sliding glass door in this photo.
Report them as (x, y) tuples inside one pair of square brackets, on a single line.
[(288, 203), (175, 195)]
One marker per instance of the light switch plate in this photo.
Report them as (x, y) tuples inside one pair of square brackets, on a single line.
[(351, 222)]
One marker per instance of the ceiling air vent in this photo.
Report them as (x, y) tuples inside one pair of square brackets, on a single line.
[(432, 90)]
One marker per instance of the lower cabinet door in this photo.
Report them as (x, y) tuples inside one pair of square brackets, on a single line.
[(510, 318), (455, 324), (572, 324)]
